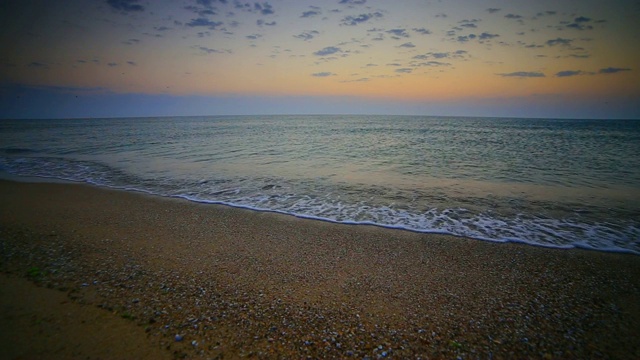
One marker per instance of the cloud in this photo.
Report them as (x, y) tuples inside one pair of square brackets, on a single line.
[(422, 31), (559, 41), (329, 50), (407, 45), (37, 64), (579, 56), (513, 16), (468, 23), (567, 73), (365, 79), (359, 19), (112, 64), (307, 35), (433, 63), (132, 63), (582, 23), (125, 5), (459, 54), (131, 41), (492, 10), (261, 22), (200, 11), (352, 2), (265, 8), (310, 13), (546, 13), (211, 25), (253, 36), (398, 33), (212, 51), (522, 74), (323, 74), (465, 38), (487, 36), (404, 70), (612, 70)]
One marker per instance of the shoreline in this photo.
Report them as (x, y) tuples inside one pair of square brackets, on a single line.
[(5, 176), (239, 282)]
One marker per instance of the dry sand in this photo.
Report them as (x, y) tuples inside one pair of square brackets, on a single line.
[(230, 283)]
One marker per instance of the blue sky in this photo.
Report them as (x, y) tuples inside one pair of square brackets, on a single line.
[(115, 58)]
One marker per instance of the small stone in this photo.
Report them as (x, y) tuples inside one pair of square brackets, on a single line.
[(194, 343), (179, 337)]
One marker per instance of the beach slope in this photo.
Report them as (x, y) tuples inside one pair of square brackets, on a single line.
[(214, 281)]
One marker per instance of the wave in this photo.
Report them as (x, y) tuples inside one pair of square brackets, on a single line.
[(346, 206)]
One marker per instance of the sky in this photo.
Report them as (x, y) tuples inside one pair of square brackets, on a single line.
[(121, 58)]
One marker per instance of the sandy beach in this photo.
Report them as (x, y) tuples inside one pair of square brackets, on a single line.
[(187, 280)]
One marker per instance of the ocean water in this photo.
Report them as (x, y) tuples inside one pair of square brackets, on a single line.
[(546, 182)]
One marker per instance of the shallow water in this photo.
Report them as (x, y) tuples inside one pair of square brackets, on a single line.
[(557, 183)]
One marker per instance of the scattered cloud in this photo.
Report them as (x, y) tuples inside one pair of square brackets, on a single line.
[(253, 36), (487, 36), (202, 22), (468, 23), (513, 16), (132, 63), (559, 41), (310, 13), (353, 2), (112, 64), (522, 74), (365, 79), (329, 50), (398, 33), (407, 45), (125, 5), (212, 51), (581, 23), (36, 64), (465, 38), (323, 74), (612, 70), (546, 13), (404, 70), (306, 35), (459, 54), (131, 41), (422, 31), (265, 8), (568, 73), (207, 11), (261, 23), (433, 63), (493, 10), (359, 19)]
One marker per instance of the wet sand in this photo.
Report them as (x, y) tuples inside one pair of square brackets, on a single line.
[(212, 281)]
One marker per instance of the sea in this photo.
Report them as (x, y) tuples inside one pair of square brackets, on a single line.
[(546, 182)]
